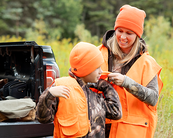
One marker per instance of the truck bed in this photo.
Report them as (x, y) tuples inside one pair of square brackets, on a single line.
[(25, 129)]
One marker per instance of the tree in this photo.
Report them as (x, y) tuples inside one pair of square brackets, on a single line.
[(99, 15), (66, 15), (20, 15)]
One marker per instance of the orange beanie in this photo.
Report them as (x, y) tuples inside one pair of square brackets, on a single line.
[(85, 58), (131, 18)]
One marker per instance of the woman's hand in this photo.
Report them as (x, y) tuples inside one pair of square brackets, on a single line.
[(60, 91), (116, 78)]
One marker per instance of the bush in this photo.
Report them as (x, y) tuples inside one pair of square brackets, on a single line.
[(159, 40)]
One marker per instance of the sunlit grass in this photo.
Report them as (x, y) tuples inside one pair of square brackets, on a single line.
[(165, 107)]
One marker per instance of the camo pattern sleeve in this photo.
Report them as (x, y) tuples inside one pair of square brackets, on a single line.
[(148, 94), (46, 107), (111, 99)]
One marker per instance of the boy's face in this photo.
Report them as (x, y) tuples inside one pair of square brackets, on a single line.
[(93, 76)]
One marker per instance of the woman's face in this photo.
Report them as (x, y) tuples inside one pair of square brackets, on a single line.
[(125, 39)]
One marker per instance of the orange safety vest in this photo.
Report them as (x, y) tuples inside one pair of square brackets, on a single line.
[(139, 119), (71, 118)]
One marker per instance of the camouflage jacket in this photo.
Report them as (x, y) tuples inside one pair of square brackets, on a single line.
[(99, 107)]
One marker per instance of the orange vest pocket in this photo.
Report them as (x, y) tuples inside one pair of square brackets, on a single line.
[(133, 127), (70, 126), (125, 130)]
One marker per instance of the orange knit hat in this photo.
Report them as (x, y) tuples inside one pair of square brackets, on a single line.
[(85, 58), (131, 18)]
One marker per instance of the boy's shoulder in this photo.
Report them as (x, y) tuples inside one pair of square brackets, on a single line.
[(67, 81)]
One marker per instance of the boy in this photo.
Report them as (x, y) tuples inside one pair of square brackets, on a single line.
[(76, 110)]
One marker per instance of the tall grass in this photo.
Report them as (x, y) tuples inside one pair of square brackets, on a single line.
[(158, 36), (165, 107), (160, 40)]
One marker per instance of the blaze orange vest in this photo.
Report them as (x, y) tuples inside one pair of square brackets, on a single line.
[(139, 119), (71, 119)]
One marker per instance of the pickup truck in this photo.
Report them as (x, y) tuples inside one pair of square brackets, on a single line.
[(36, 65)]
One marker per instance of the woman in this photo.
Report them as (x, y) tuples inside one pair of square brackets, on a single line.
[(135, 75)]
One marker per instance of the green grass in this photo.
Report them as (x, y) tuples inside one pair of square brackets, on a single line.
[(165, 106)]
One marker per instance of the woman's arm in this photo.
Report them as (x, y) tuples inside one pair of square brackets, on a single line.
[(148, 94)]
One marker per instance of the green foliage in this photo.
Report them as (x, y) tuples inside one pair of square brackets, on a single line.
[(11, 39), (37, 33), (151, 7), (159, 38), (158, 35), (85, 35), (14, 14), (62, 15), (165, 107), (66, 14), (99, 15), (3, 26), (19, 15), (61, 51)]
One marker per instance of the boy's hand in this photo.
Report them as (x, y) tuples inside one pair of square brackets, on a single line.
[(60, 91), (116, 78)]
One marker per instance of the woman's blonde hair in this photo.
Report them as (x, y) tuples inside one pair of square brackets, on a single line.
[(120, 56)]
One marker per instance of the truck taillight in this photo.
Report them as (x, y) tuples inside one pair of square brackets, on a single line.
[(52, 72)]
